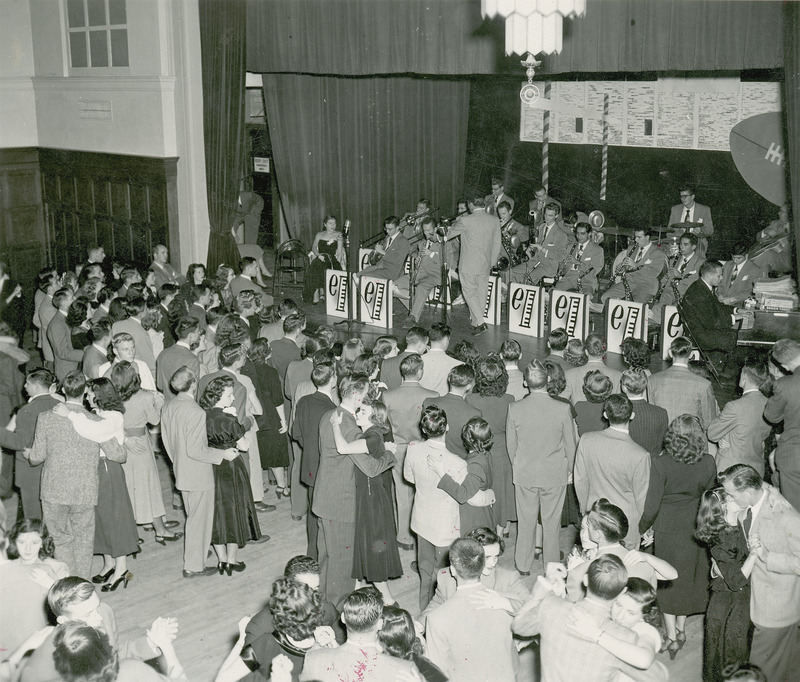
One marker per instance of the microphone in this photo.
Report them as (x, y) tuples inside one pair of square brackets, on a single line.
[(346, 228)]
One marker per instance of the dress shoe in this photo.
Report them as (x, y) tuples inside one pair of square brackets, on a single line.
[(479, 329), (262, 507), (408, 546), (261, 540), (524, 574), (296, 518), (208, 570)]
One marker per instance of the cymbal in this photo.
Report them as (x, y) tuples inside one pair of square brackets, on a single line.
[(617, 231), (686, 226)]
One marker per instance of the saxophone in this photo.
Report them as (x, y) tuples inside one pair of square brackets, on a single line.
[(562, 266), (667, 280), (581, 275), (511, 244), (620, 272)]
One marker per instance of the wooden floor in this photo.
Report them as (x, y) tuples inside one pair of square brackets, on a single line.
[(208, 609)]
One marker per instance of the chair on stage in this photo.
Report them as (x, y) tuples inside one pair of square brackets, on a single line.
[(290, 260)]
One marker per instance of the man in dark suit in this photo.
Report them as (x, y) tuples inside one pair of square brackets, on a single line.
[(66, 358), (305, 430), (416, 342), (689, 211), (480, 247), (649, 423), (784, 406), (739, 274), (183, 428), (95, 356), (201, 296), (335, 492), (287, 349), (393, 251), (405, 407), (166, 294), (171, 359), (557, 340), (38, 386), (709, 321), (460, 381)]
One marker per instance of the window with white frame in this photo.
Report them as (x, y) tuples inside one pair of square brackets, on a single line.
[(98, 33)]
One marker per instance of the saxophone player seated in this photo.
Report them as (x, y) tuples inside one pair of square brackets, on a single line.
[(547, 252), (636, 277), (585, 260), (389, 257), (683, 269)]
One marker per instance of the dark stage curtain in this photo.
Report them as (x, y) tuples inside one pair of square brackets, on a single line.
[(791, 22), (222, 40), (364, 148)]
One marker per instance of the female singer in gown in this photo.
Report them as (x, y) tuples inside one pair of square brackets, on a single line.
[(235, 520), (328, 249), (376, 558)]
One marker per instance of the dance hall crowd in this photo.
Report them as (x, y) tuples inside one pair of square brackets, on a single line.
[(424, 446)]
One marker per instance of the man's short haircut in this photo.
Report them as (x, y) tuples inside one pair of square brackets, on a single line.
[(425, 202), (607, 577), (82, 653), (326, 335), (67, 591), (681, 347), (128, 274), (300, 565), (167, 289), (391, 220), (618, 409), (362, 610), (691, 237), (633, 381), (42, 377), (496, 181), (553, 206), (74, 384), (245, 262), (461, 376), (478, 200), (755, 369), (558, 338), (311, 345), (416, 336), (741, 477), (685, 187), (433, 422), (486, 537), (215, 314), (785, 350), (186, 326), (120, 338), (411, 366), (439, 332), (105, 295), (322, 373), (594, 345), (510, 350), (535, 376), (182, 380), (353, 385), (739, 249), (504, 204), (743, 672), (135, 306), (199, 290), (100, 329), (467, 558), (287, 306), (60, 295), (709, 267), (428, 220), (156, 247), (293, 323)]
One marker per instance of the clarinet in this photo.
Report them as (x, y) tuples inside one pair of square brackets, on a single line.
[(619, 272), (581, 275), (562, 266), (667, 280)]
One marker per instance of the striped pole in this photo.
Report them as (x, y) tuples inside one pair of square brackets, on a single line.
[(546, 141), (604, 170)]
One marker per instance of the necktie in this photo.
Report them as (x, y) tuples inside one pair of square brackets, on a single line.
[(734, 272), (686, 217), (639, 255), (545, 232), (748, 521), (684, 264)]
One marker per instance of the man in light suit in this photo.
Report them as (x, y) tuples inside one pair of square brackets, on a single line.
[(436, 361), (161, 268), (133, 326), (689, 211), (469, 642), (584, 261), (183, 428), (740, 429), (480, 247), (739, 274), (360, 658), (549, 250), (642, 270), (405, 408), (609, 464), (335, 492), (65, 357), (498, 196), (682, 270), (784, 406), (393, 250), (649, 423), (509, 591), (595, 347), (416, 342), (772, 529), (540, 474), (96, 355), (680, 391), (460, 381), (180, 354)]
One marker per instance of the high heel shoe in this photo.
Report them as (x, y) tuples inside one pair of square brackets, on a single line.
[(680, 638), (672, 647), (239, 567), (164, 539), (102, 577), (221, 566), (283, 492), (125, 578)]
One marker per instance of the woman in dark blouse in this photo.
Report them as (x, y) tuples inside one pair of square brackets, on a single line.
[(596, 388)]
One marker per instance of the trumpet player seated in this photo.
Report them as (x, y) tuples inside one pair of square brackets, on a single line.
[(585, 259), (636, 276), (411, 223), (549, 249), (389, 257), (426, 271), (683, 268)]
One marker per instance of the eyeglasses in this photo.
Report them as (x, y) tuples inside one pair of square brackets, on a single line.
[(686, 196)]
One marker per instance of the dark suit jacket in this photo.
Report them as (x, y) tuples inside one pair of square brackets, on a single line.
[(458, 412), (165, 328), (92, 360), (648, 426), (284, 351), (169, 361), (144, 347), (709, 321), (305, 430), (390, 370), (66, 357), (199, 313)]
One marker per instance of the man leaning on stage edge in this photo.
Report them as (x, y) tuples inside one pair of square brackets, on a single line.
[(480, 247)]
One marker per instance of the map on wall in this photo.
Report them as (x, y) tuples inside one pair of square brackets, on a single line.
[(676, 113)]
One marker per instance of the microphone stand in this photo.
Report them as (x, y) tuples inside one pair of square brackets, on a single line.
[(350, 321), (444, 298)]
